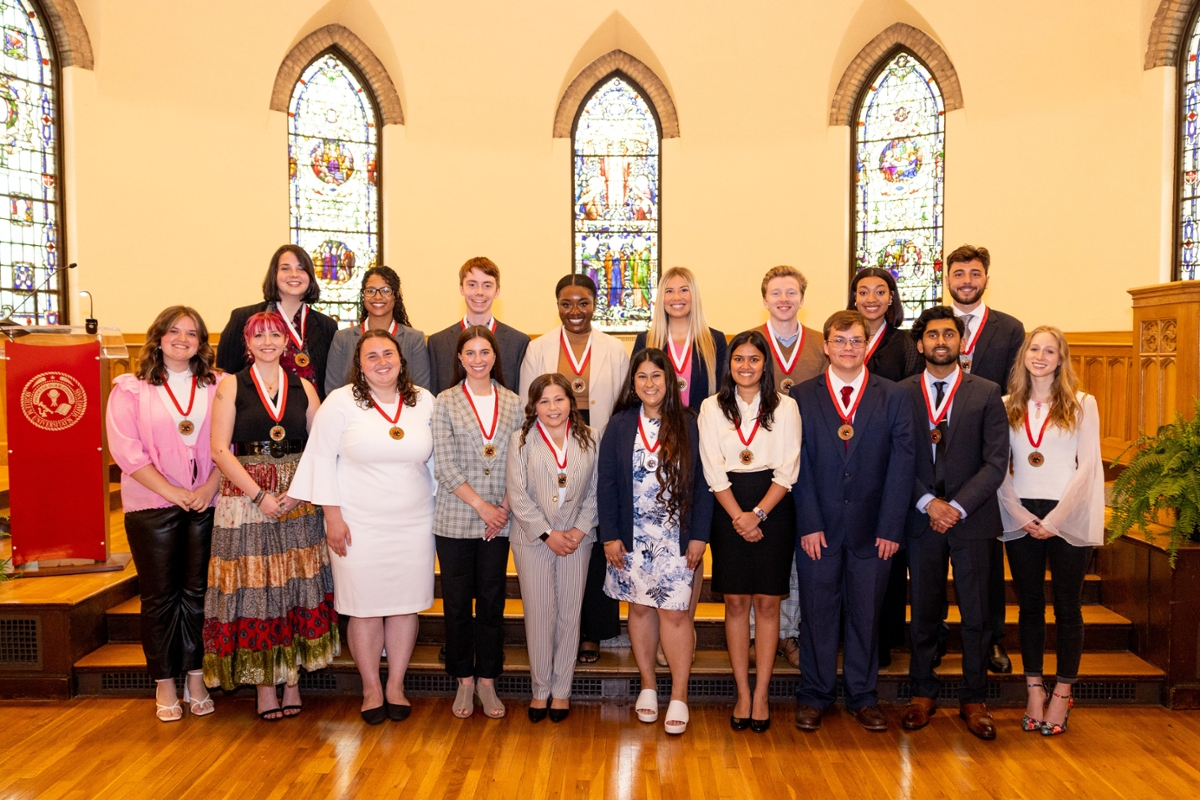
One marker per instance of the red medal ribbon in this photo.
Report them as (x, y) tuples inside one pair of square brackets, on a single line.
[(753, 430), (945, 403), (646, 442), (849, 415), (191, 400), (491, 326), (262, 395), (970, 348), (786, 369), (576, 367), (392, 328), (487, 435), (1041, 433), (878, 338), (553, 449), (399, 409), (297, 338), (683, 369)]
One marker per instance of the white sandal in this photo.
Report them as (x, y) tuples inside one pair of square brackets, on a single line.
[(646, 706), (677, 717), (201, 707), (171, 713)]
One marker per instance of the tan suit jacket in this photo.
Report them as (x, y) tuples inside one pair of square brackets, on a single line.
[(609, 366)]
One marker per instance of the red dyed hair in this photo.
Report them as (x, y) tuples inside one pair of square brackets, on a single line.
[(262, 321)]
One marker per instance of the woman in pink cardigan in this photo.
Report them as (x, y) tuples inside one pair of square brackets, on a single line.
[(158, 434)]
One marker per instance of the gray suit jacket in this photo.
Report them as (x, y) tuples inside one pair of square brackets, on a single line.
[(532, 485), (458, 458), (412, 348), (442, 354)]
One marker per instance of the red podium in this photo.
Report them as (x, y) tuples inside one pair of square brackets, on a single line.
[(57, 384)]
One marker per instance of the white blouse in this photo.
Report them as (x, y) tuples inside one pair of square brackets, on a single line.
[(181, 385), (777, 449), (1072, 474)]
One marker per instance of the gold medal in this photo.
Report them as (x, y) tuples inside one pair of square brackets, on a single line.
[(278, 434), (682, 385), (562, 480), (489, 450), (786, 384), (1036, 459), (302, 359), (935, 435), (396, 432), (965, 363), (846, 433), (651, 463), (186, 427), (746, 457), (578, 385)]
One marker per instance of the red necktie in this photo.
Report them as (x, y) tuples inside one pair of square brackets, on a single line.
[(846, 392)]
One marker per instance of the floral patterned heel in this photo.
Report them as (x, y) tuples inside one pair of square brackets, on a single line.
[(1028, 723), (1055, 728)]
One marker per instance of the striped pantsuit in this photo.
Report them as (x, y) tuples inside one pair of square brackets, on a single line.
[(552, 595)]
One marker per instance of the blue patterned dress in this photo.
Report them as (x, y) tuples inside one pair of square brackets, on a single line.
[(655, 574)]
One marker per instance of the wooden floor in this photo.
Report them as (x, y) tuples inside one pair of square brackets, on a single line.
[(104, 747)]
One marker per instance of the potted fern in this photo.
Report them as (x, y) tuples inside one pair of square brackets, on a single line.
[(1161, 483)]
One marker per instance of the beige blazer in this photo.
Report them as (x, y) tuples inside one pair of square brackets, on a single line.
[(609, 366), (532, 478)]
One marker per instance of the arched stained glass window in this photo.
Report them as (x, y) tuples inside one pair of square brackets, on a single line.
[(899, 146), (333, 166), (1188, 257), (31, 289), (616, 194)]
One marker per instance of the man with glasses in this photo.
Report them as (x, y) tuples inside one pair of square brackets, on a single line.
[(854, 487)]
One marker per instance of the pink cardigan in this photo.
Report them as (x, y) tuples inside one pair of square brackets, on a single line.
[(142, 432)]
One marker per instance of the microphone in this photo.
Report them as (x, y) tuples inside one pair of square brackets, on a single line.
[(9, 312), (90, 324)]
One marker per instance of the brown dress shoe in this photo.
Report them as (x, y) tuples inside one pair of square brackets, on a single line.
[(979, 720), (790, 648), (917, 715), (808, 719), (871, 718)]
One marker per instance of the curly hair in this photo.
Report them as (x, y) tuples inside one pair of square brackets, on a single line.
[(768, 399), (358, 381), (674, 471), (579, 428), (399, 312), (477, 332), (151, 367)]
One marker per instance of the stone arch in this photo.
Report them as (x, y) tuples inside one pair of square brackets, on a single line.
[(355, 51), (1167, 33), (863, 66), (602, 67), (70, 34)]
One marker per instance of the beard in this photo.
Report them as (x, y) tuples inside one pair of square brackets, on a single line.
[(942, 361), (960, 301)]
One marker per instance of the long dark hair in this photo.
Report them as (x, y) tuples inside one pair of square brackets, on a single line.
[(768, 400), (477, 332), (579, 428), (674, 470), (362, 390), (151, 368), (399, 313), (894, 316), (270, 285)]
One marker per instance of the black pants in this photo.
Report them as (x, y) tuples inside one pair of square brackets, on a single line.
[(601, 617), (996, 599), (892, 615), (170, 549), (473, 570), (1027, 559)]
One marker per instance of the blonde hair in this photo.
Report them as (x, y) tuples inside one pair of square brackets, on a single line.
[(1065, 410), (784, 272), (660, 332)]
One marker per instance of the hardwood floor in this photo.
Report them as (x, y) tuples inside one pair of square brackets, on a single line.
[(106, 747)]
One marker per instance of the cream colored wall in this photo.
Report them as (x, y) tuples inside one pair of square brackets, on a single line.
[(1058, 162)]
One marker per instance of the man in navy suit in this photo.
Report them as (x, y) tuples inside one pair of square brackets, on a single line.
[(954, 516), (856, 462)]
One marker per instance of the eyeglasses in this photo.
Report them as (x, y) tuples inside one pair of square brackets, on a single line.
[(842, 343), (383, 291)]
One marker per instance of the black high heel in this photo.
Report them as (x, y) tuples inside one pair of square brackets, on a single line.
[(739, 724), (559, 714), (537, 714), (760, 725)]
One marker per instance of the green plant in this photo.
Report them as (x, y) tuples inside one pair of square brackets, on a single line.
[(1163, 476)]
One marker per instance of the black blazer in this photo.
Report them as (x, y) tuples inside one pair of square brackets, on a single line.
[(860, 493), (897, 357), (699, 377), (442, 354), (976, 457), (614, 484), (231, 351), (997, 348)]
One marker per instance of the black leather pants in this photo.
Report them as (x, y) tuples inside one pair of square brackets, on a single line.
[(170, 548)]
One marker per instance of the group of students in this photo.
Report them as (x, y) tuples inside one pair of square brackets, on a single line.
[(325, 469)]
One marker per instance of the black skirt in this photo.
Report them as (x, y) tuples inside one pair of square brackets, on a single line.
[(762, 567)]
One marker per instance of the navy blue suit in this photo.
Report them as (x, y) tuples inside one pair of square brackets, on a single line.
[(855, 493)]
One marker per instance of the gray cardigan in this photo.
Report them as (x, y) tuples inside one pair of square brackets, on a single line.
[(341, 356)]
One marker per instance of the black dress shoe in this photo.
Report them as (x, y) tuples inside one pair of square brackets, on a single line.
[(937, 660), (559, 714), (397, 712), (374, 716), (537, 714), (739, 723), (999, 660), (885, 657), (760, 725)]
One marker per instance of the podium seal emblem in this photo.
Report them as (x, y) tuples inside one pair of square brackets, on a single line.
[(53, 401)]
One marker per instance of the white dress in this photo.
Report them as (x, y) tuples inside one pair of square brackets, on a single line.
[(385, 489)]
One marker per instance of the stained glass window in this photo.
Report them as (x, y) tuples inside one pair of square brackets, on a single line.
[(30, 287), (333, 168), (1189, 159), (899, 145), (616, 182)]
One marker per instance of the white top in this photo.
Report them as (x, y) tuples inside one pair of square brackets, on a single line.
[(777, 449), (485, 407), (855, 387), (181, 385), (1072, 474), (948, 402)]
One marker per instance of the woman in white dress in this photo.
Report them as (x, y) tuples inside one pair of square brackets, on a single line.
[(368, 465)]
